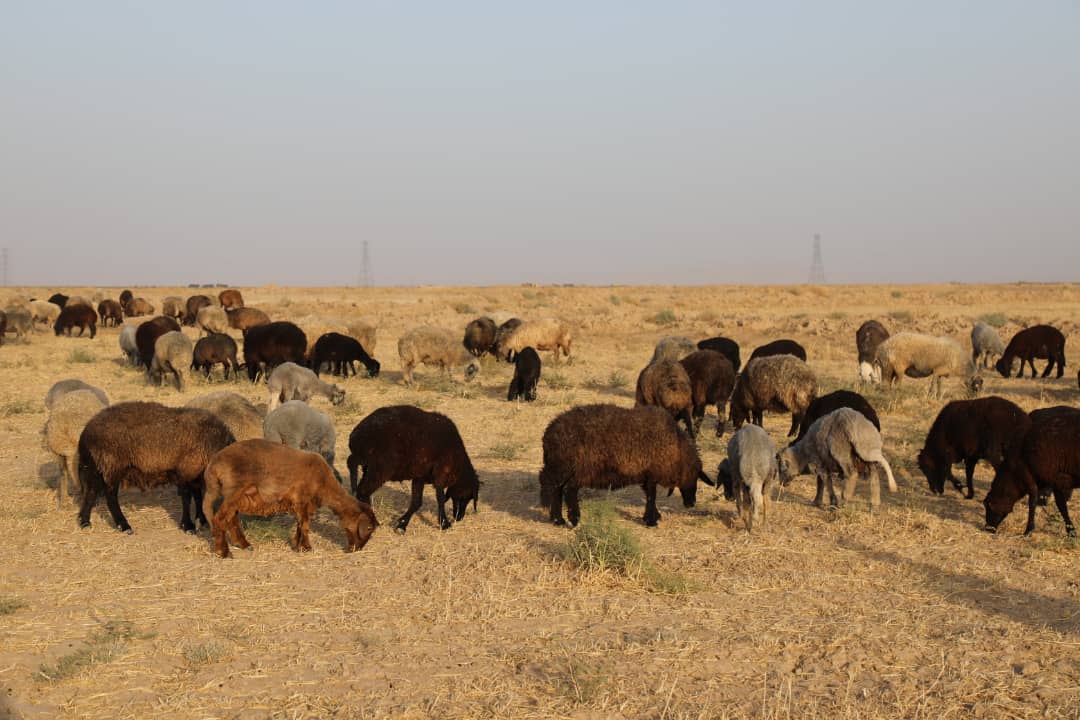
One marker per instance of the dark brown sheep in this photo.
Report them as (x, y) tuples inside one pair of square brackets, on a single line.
[(231, 299), (267, 346), (245, 318), (1041, 342), (341, 353), (110, 310), (726, 347), (3, 325), (779, 347), (125, 297), (137, 307), (213, 349), (777, 383), (193, 305), (712, 379), (402, 442), (480, 336), (867, 339), (146, 444), (59, 299), (146, 336), (825, 404), (666, 384), (80, 316), (527, 367), (259, 477), (606, 446)]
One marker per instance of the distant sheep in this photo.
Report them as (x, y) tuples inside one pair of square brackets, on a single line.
[(726, 347), (665, 384), (673, 348), (192, 306), (231, 299), (289, 381), (835, 400), (775, 383), (173, 306), (146, 335), (128, 345), (364, 330), (298, 425), (76, 315), (245, 318), (235, 411), (342, 353), (543, 334), (213, 349), (58, 299), (480, 336), (748, 473), (3, 326), (137, 307), (110, 310), (868, 338), (125, 297), (986, 345), (526, 376), (43, 312), (712, 378), (212, 319), (1041, 342), (68, 416), (79, 300), (62, 387), (172, 354), (267, 346), (918, 356), (780, 347), (434, 346), (19, 322)]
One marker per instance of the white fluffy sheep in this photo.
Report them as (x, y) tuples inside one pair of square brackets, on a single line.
[(289, 381), (67, 418), (173, 353), (918, 356), (985, 344), (748, 472), (434, 346), (62, 387), (542, 334), (674, 348), (842, 444), (212, 319), (235, 411), (44, 312), (298, 425)]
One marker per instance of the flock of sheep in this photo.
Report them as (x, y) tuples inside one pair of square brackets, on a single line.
[(219, 447)]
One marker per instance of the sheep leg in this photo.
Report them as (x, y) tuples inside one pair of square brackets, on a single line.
[(1061, 498), (796, 420), (402, 523), (721, 414), (186, 495), (1060, 365), (757, 504), (89, 498), (440, 501), (652, 515), (72, 474), (555, 513), (1049, 365), (758, 416), (303, 526), (831, 484), (573, 509), (819, 497), (112, 499), (225, 520), (969, 471)]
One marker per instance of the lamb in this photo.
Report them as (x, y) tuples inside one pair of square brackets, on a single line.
[(76, 315), (173, 353), (173, 306), (62, 387), (235, 411), (341, 352), (666, 384), (146, 335), (526, 376), (258, 477), (748, 472), (919, 356), (835, 400), (480, 336), (989, 428), (502, 333), (712, 379), (146, 444), (779, 347), (842, 444), (364, 330), (192, 306), (213, 349), (1041, 342), (245, 318), (136, 307), (267, 346), (289, 381), (43, 312), (725, 346), (300, 426), (212, 319), (68, 415), (434, 346), (1047, 458), (673, 348), (985, 344), (402, 442), (231, 299), (777, 383), (19, 322), (110, 310), (868, 338), (543, 334)]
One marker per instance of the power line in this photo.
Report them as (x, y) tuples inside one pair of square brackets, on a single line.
[(365, 267), (817, 265)]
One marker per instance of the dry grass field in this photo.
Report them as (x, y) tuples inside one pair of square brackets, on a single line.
[(912, 611)]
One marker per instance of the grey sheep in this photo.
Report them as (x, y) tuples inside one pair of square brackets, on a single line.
[(917, 356), (212, 319), (666, 384), (298, 425), (434, 346), (127, 342), (173, 352), (748, 472), (674, 348), (985, 344), (63, 387), (19, 321), (777, 383), (842, 444), (235, 411), (289, 381), (68, 416)]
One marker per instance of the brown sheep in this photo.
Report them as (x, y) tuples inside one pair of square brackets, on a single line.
[(543, 334), (245, 318), (231, 299), (665, 384), (137, 307), (777, 383), (712, 378), (110, 310)]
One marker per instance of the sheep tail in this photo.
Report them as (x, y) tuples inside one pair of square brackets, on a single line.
[(876, 456)]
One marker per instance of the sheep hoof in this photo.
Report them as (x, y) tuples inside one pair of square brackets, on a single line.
[(990, 529), (558, 522), (399, 529)]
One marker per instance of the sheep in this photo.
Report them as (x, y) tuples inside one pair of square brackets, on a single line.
[(673, 348), (59, 300), (245, 318), (841, 444), (213, 349), (136, 307), (235, 411), (110, 310), (341, 352), (502, 333), (298, 425), (267, 346), (1047, 458), (985, 345), (145, 444), (779, 347), (543, 334), (969, 430), (43, 312), (402, 442), (125, 297), (146, 335), (128, 345), (835, 400), (918, 356), (712, 378), (364, 330), (868, 337), (725, 346), (78, 300), (68, 415), (76, 315), (212, 319), (606, 446), (192, 306), (526, 376), (289, 381), (19, 322), (173, 352), (1041, 342), (62, 387), (480, 336), (777, 383), (173, 306), (666, 384), (434, 346), (258, 477), (3, 326), (231, 299), (748, 472)]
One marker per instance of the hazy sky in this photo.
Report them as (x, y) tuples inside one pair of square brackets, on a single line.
[(505, 142)]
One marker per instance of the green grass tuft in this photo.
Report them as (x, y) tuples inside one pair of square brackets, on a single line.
[(557, 381), (103, 646), (17, 407), (600, 544), (664, 317), (78, 355), (463, 308), (505, 451), (994, 320), (10, 605)]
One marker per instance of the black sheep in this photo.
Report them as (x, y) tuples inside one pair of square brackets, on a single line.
[(59, 299), (194, 304), (867, 339), (273, 344), (402, 442), (147, 334), (3, 325), (526, 375), (1041, 342), (480, 336), (726, 347), (213, 349), (822, 406), (110, 310), (967, 431), (1047, 459), (712, 377), (80, 316), (779, 347), (125, 297), (341, 352)]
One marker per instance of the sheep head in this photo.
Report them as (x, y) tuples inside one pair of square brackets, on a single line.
[(723, 478), (471, 370), (1005, 490), (934, 475), (337, 395), (372, 368), (1005, 370), (787, 460), (975, 385)]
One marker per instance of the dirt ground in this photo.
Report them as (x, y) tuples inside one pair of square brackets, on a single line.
[(912, 611)]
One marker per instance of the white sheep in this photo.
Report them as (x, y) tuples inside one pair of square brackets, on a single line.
[(542, 334), (435, 346), (173, 353), (985, 344), (748, 472), (44, 312), (67, 417), (298, 425), (127, 342), (212, 319), (289, 381), (917, 356)]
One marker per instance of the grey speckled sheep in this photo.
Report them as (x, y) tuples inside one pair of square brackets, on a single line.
[(777, 383), (173, 352), (235, 411), (542, 334), (301, 426), (289, 381), (674, 348), (985, 344), (212, 319), (918, 356), (19, 321), (748, 472), (434, 346), (842, 444), (68, 416), (63, 387)]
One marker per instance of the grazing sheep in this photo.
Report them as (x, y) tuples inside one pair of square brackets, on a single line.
[(480, 336), (502, 333), (969, 430), (146, 335), (213, 349), (342, 353), (68, 415), (267, 346), (1047, 459), (136, 307), (1041, 342), (402, 442), (434, 346), (526, 376), (868, 338), (125, 297), (543, 334), (110, 310), (726, 347), (666, 384), (779, 347), (918, 356), (235, 411), (748, 472), (258, 477), (76, 315), (59, 300), (192, 306), (605, 446), (245, 318), (985, 344), (128, 345), (364, 330), (173, 352), (231, 299), (3, 326), (62, 387), (19, 322), (289, 381), (174, 307), (777, 383), (843, 444), (712, 379), (144, 444), (43, 312), (212, 319), (673, 348), (298, 425), (835, 400)]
